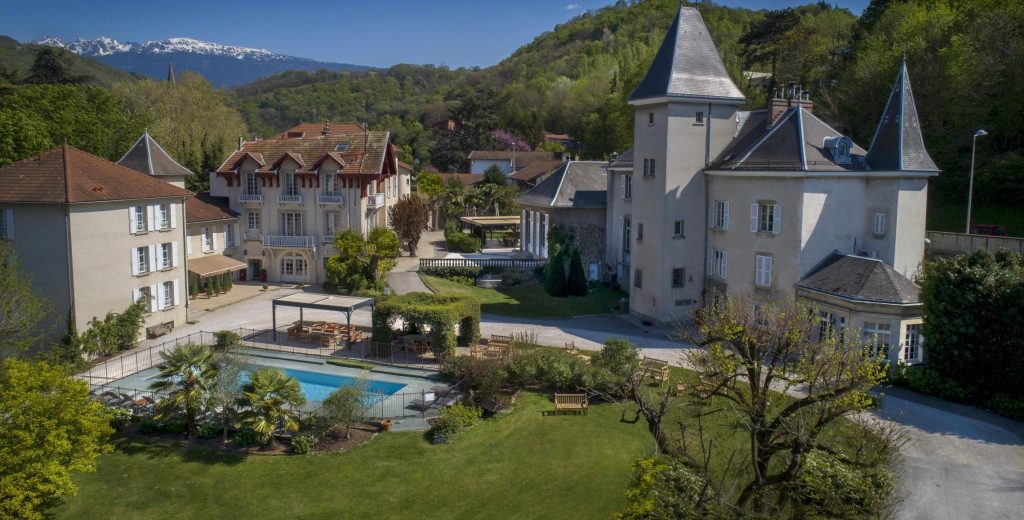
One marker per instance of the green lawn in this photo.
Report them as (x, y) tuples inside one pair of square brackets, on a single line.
[(521, 465), (950, 216), (529, 300)]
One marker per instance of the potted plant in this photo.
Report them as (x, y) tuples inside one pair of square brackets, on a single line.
[(385, 424), (263, 275), (215, 285), (227, 282), (193, 289), (265, 287), (209, 288)]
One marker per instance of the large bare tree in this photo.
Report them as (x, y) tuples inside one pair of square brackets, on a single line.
[(786, 378), (409, 217)]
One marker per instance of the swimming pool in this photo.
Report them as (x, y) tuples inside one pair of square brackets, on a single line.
[(316, 386)]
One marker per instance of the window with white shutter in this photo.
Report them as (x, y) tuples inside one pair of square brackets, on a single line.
[(163, 215), (154, 298), (878, 226), (150, 218), (718, 263), (174, 215), (137, 219), (174, 254), (151, 258), (188, 245), (719, 214), (207, 238), (764, 217), (763, 270), (165, 255), (167, 294)]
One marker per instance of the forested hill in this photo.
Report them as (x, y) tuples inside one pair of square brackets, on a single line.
[(573, 79), (966, 61), (16, 59)]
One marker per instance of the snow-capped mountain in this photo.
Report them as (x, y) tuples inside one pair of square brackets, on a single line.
[(222, 65)]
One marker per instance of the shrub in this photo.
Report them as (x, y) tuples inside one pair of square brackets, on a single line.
[(828, 488), (468, 271), (247, 437), (119, 418), (208, 430), (148, 425), (227, 340), (460, 242), (929, 381), (343, 408), (1006, 405), (664, 487), (973, 305), (577, 281), (303, 444), (454, 420), (617, 356)]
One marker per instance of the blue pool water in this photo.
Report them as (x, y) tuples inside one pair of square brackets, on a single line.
[(317, 386)]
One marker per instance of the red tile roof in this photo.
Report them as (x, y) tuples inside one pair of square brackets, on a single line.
[(522, 158), (69, 175), (316, 129), (363, 152), (469, 179), (532, 171), (205, 208)]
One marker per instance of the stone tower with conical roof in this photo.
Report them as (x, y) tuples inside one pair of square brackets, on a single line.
[(685, 115)]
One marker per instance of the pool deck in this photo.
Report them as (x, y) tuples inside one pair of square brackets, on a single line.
[(417, 383)]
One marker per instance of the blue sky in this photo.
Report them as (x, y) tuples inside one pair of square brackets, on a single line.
[(367, 32)]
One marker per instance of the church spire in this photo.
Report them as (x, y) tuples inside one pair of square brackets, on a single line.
[(898, 144), (170, 73), (688, 65)]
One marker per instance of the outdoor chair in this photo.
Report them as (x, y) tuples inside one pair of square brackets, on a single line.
[(423, 403), (441, 390)]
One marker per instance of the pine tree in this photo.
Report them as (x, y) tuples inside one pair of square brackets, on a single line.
[(555, 283), (577, 283)]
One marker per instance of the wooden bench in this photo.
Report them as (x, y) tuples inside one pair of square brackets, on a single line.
[(497, 340), (575, 402), (160, 329), (656, 369)]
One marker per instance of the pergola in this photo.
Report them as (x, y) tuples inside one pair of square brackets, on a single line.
[(323, 302), (485, 223)]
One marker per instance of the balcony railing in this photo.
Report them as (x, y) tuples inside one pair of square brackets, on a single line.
[(246, 197), (375, 201), (325, 199), (302, 242), (289, 199)]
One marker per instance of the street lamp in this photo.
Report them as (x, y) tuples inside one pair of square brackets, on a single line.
[(970, 185)]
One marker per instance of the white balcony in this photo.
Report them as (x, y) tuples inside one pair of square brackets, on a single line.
[(282, 241), (247, 198), (289, 199), (375, 201), (327, 199)]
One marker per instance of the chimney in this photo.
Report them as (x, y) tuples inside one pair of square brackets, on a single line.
[(327, 128), (789, 97), (240, 142)]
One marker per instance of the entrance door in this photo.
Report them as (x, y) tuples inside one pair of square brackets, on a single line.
[(294, 269), (255, 266)]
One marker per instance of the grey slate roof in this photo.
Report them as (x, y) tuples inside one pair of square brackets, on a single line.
[(147, 156), (796, 142), (577, 184), (897, 143), (687, 64), (861, 279), (623, 162)]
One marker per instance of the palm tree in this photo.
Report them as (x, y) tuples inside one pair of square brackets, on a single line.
[(270, 399), (185, 375)]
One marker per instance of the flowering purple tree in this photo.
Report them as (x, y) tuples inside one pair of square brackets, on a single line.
[(506, 141)]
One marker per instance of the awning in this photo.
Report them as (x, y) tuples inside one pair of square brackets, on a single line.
[(492, 221), (210, 265)]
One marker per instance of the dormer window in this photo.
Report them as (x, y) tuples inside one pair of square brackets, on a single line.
[(295, 135), (840, 148)]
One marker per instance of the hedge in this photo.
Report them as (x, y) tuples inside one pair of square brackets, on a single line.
[(442, 312), (469, 271), (460, 242)]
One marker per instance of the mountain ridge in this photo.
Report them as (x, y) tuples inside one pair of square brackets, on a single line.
[(222, 65)]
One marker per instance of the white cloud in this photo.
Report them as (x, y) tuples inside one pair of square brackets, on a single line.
[(572, 7)]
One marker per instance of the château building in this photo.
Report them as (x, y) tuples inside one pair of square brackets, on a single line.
[(774, 203)]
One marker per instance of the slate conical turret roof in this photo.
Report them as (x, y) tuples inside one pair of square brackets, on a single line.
[(147, 156), (897, 143), (687, 65)]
